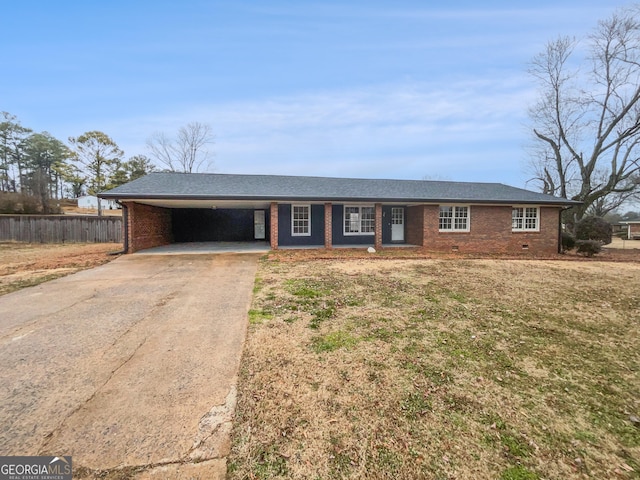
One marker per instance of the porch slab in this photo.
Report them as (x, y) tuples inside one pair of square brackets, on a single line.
[(206, 247)]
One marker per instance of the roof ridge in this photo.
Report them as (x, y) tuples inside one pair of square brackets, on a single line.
[(321, 177)]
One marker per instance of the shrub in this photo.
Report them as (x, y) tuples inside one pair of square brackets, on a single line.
[(588, 248), (568, 242), (30, 204), (17, 203), (8, 203), (594, 228)]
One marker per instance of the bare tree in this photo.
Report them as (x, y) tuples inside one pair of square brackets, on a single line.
[(187, 152), (587, 121)]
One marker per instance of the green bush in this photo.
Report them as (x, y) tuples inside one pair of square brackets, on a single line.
[(588, 248), (594, 228), (568, 242)]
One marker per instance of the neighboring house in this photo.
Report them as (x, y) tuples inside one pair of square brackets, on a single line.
[(313, 212), (633, 229), (91, 202), (618, 228)]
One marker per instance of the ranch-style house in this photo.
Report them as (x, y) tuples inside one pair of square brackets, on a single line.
[(322, 212)]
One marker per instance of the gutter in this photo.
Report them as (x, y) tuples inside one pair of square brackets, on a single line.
[(303, 198)]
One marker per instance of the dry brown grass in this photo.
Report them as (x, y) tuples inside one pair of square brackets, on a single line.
[(24, 264), (74, 210), (440, 369)]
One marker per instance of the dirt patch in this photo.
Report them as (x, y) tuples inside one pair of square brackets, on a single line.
[(23, 265), (411, 368)]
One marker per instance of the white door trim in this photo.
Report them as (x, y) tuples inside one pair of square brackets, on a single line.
[(397, 224)]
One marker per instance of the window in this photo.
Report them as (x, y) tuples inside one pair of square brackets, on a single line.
[(359, 220), (300, 220), (454, 219), (525, 219)]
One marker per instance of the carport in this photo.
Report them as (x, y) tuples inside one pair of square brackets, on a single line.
[(155, 222)]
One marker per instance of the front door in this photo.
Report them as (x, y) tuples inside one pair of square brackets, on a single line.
[(397, 224), (259, 230)]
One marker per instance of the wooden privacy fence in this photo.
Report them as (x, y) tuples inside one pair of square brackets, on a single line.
[(60, 229)]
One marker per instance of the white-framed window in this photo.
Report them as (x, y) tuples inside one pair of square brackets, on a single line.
[(300, 220), (525, 219), (359, 220), (454, 218)]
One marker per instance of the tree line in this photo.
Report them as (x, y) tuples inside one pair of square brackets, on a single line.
[(40, 166), (37, 167)]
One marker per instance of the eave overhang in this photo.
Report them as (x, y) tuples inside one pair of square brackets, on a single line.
[(157, 198)]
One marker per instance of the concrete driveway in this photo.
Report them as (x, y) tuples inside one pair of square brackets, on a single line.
[(132, 364)]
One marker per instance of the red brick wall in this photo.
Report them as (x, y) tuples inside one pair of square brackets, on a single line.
[(328, 220), (490, 231), (415, 225), (634, 230), (377, 234), (546, 241), (148, 226), (274, 226)]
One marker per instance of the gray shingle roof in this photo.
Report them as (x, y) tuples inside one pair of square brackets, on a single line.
[(207, 186)]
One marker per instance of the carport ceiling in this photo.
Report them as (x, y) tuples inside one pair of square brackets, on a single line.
[(191, 203)]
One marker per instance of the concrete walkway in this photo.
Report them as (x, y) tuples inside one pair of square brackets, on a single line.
[(129, 365)]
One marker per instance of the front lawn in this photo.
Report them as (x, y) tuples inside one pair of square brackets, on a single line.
[(440, 369)]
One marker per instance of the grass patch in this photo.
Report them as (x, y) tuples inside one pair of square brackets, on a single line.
[(31, 282), (256, 317), (307, 288), (404, 369), (518, 473), (415, 405), (322, 313), (333, 341)]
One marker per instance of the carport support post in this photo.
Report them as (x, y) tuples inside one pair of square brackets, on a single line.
[(328, 221), (378, 227), (273, 237)]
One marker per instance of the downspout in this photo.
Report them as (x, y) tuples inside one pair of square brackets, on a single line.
[(125, 219)]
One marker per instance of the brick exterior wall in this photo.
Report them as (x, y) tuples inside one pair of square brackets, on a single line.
[(273, 238), (634, 230), (490, 231), (377, 239), (148, 226), (328, 221), (415, 225)]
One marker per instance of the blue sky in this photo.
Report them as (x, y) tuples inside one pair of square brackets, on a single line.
[(401, 89)]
